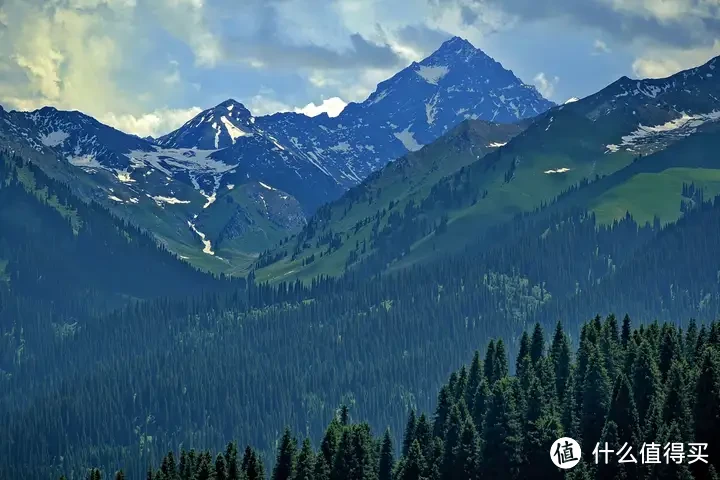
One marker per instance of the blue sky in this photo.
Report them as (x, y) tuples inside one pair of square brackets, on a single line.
[(146, 66)]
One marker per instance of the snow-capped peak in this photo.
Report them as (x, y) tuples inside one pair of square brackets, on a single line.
[(213, 129)]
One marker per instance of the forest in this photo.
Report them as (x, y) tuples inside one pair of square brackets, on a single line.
[(94, 380), (656, 385)]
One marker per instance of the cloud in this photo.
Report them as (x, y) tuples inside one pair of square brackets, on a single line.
[(263, 104), (61, 56), (661, 63), (677, 23), (546, 86), (155, 124), (600, 47), (332, 106)]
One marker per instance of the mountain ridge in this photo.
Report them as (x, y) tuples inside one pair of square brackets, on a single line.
[(311, 159)]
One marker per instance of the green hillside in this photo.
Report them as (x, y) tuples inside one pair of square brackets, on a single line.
[(623, 149)]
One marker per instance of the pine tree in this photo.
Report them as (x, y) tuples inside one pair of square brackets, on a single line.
[(414, 465), (623, 413), (231, 460), (285, 463), (560, 355), (305, 462), (646, 381), (256, 469), (500, 368), (220, 467), (475, 376), (489, 363), (344, 414), (626, 331), (501, 454), (480, 403), (409, 437), (442, 412), (707, 405), (452, 442), (169, 469), (596, 392), (537, 348), (467, 454), (120, 475), (541, 429), (677, 408), (387, 459), (523, 351), (423, 434), (612, 469)]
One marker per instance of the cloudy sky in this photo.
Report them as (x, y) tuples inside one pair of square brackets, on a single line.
[(146, 66)]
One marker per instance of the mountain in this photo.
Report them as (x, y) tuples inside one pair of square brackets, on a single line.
[(185, 187), (668, 122), (73, 257)]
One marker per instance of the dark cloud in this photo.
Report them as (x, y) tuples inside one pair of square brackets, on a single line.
[(422, 38), (274, 53), (683, 31)]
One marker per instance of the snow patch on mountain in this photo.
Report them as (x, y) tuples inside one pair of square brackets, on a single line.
[(497, 144), (160, 200), (432, 74), (654, 137), (53, 139), (208, 245), (557, 170), (408, 140), (232, 130), (85, 161)]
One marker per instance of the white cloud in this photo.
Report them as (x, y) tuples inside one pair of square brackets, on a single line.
[(546, 86), (186, 19), (153, 124), (332, 106), (262, 104), (661, 63), (600, 47)]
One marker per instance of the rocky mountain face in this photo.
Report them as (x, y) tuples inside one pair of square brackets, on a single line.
[(308, 161)]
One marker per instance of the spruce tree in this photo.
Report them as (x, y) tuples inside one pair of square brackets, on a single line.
[(409, 437), (646, 381), (305, 462), (423, 434), (707, 406), (500, 368), (560, 355), (537, 348), (387, 459), (413, 465), (596, 392), (220, 467), (285, 463), (502, 442), (489, 363)]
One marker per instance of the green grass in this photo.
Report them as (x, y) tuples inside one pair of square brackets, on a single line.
[(27, 179), (648, 194)]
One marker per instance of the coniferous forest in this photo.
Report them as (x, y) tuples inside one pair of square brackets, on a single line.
[(136, 353), (656, 385)]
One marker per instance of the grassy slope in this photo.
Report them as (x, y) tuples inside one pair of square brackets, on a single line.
[(408, 178), (561, 139)]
